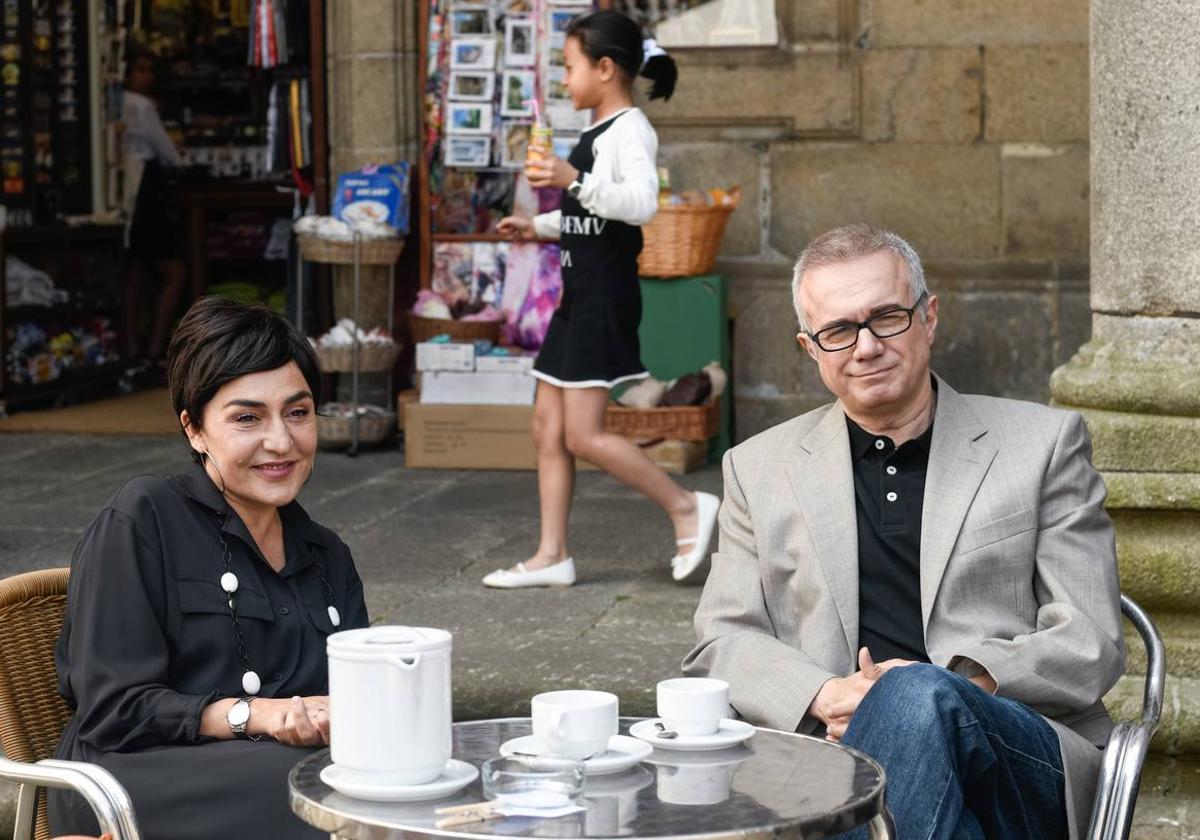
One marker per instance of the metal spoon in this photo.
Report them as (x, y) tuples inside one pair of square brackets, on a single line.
[(663, 732)]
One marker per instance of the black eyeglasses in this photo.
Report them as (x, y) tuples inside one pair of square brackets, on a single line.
[(884, 325)]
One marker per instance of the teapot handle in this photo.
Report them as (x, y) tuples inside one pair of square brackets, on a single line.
[(407, 662)]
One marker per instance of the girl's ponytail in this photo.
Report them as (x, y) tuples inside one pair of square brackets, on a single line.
[(609, 34), (660, 69)]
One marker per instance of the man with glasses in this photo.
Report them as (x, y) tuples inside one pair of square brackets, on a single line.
[(927, 576)]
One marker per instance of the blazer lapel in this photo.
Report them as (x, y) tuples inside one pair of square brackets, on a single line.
[(959, 458), (822, 480)]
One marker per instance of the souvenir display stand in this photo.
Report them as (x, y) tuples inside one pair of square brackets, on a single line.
[(484, 65), (360, 359)]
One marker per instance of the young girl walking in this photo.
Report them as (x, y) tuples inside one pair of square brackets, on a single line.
[(610, 188)]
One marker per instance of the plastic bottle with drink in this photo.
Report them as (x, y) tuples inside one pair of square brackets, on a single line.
[(541, 138)]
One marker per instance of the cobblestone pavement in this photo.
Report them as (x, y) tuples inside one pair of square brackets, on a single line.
[(423, 539)]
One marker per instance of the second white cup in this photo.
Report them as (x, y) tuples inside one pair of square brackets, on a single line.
[(693, 705), (574, 724)]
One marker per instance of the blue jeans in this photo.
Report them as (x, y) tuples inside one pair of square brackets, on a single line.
[(960, 763)]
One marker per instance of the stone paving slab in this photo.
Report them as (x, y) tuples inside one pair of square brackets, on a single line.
[(422, 539)]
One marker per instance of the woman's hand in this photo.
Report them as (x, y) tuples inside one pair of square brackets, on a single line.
[(298, 722), (551, 172), (516, 227)]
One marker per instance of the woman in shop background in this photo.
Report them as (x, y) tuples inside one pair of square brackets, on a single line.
[(193, 650), (610, 189), (152, 236)]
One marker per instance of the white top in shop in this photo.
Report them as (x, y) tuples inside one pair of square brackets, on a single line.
[(144, 136), (623, 183)]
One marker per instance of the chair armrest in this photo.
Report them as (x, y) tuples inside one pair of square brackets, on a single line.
[(107, 798)]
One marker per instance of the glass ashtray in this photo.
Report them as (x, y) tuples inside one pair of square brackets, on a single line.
[(533, 782)]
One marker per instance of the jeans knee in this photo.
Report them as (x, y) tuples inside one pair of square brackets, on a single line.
[(917, 693)]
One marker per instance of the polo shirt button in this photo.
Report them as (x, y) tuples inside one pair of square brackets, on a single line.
[(284, 610), (891, 470), (891, 497), (277, 676), (879, 444)]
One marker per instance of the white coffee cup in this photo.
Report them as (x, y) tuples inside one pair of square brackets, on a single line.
[(574, 724), (693, 705)]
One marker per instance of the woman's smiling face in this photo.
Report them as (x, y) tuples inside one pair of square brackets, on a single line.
[(260, 434)]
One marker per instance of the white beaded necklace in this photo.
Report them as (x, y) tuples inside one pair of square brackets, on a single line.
[(251, 683)]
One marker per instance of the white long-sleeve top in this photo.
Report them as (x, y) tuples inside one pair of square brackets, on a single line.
[(623, 183), (144, 136)]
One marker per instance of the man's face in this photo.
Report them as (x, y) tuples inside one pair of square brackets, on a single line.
[(874, 375)]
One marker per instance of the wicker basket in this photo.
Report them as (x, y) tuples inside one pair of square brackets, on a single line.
[(372, 357), (424, 329), (371, 251), (683, 241), (339, 431), (687, 422)]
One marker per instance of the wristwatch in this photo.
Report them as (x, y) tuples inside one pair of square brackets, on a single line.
[(575, 188), (238, 716)]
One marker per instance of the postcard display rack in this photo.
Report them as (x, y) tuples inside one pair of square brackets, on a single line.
[(486, 62)]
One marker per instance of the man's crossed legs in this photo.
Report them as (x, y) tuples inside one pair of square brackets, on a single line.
[(960, 763)]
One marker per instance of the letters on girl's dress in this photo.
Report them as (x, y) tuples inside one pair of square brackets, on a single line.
[(583, 225)]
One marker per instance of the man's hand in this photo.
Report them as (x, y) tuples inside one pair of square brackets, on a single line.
[(838, 699)]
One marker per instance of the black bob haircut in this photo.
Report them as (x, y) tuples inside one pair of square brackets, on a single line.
[(609, 34), (219, 341)]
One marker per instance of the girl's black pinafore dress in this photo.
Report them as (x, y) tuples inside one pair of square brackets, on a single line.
[(592, 340)]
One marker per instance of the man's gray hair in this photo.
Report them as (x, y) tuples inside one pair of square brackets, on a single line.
[(849, 243)]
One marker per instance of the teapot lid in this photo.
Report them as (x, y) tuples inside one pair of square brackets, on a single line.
[(389, 638)]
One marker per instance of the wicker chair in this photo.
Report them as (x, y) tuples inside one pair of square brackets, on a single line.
[(33, 714)]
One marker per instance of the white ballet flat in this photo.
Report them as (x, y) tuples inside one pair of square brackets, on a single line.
[(560, 574), (684, 566)]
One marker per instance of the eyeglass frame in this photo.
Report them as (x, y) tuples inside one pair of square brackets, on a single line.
[(859, 326)]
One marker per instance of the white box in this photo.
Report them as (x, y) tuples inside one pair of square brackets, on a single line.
[(445, 356), (504, 364), (449, 388)]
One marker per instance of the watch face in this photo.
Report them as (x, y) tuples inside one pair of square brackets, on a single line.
[(239, 713)]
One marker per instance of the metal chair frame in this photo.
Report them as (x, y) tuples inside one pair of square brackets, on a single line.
[(1125, 753), (106, 796), (20, 676)]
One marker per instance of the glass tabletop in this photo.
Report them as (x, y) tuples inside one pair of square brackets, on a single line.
[(777, 783)]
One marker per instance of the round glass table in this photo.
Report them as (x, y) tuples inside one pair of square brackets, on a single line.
[(776, 785)]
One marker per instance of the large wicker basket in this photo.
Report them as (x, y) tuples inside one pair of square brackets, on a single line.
[(372, 357), (688, 422), (424, 329), (371, 251), (682, 241), (339, 431)]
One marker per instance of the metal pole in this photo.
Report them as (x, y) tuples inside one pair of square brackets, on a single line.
[(354, 360)]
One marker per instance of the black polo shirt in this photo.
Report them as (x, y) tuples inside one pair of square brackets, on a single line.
[(889, 490)]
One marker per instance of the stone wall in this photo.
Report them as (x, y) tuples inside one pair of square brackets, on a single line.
[(963, 126)]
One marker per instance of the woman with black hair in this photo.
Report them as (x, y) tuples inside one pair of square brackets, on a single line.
[(610, 185), (152, 236), (193, 649)]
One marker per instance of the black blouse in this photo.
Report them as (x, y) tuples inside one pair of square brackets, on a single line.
[(148, 640)]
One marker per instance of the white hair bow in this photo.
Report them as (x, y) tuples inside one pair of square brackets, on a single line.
[(650, 48)]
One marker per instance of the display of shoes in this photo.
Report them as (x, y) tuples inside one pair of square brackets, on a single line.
[(685, 566), (560, 574)]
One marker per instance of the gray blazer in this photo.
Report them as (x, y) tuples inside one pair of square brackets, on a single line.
[(1018, 570)]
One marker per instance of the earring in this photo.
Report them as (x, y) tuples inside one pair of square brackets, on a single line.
[(218, 469)]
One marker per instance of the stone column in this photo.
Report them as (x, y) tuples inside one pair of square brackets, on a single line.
[(374, 116), (1137, 381)]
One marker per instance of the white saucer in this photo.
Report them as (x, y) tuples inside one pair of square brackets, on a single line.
[(623, 752), (456, 776), (729, 733)]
